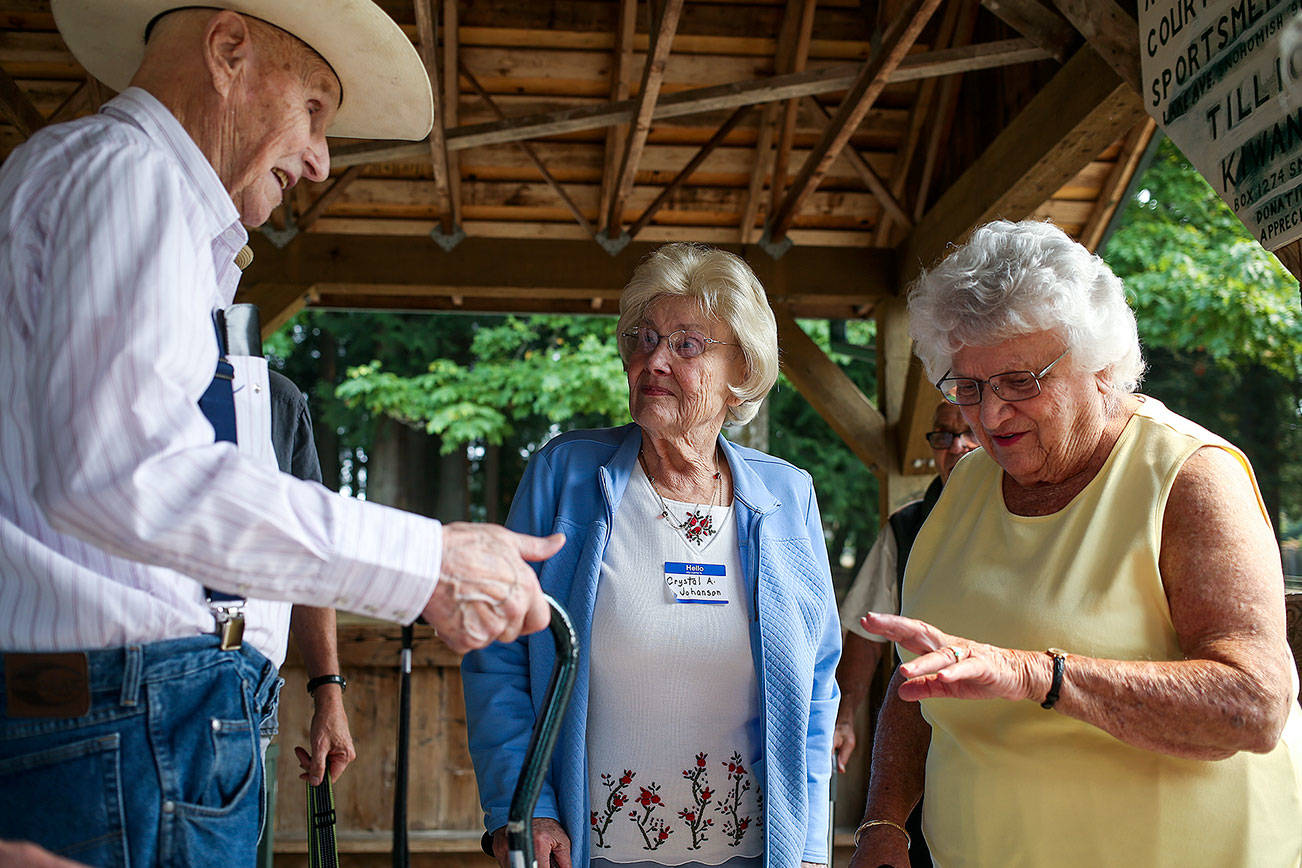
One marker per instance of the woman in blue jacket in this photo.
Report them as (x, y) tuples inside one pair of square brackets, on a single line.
[(700, 731)]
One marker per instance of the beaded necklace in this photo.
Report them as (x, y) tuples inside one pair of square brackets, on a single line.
[(695, 527)]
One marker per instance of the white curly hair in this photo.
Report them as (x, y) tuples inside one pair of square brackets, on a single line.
[(1012, 279)]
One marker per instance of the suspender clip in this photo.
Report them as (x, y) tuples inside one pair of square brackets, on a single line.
[(230, 623)]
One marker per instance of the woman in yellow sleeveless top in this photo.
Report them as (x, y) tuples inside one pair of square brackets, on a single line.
[(1097, 669)]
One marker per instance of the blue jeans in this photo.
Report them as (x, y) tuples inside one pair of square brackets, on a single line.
[(164, 770)]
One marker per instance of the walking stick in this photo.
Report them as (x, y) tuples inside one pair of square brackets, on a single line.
[(519, 823), (401, 856), (831, 813)]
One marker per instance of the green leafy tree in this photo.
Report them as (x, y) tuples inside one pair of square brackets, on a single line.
[(551, 369), (1219, 319)]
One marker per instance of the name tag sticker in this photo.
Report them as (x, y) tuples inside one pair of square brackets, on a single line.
[(696, 583)]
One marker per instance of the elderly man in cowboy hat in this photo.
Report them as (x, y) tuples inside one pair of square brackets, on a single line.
[(129, 531)]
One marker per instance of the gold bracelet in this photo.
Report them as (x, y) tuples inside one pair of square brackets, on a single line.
[(868, 824)]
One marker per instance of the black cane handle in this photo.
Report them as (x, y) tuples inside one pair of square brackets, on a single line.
[(519, 823)]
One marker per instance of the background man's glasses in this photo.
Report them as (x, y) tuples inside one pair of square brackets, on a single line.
[(1009, 386), (946, 439), (682, 343)]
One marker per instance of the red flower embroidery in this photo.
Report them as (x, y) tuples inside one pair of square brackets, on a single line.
[(653, 829), (615, 799), (694, 815), (734, 826)]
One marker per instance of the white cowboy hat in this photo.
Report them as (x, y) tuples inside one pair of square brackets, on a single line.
[(386, 92)]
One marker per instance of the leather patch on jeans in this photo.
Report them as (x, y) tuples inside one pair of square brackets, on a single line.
[(47, 685)]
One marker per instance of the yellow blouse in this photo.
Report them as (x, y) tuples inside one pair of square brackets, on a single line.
[(1009, 783)]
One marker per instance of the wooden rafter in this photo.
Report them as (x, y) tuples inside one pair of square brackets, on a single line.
[(748, 232), (1111, 30), (617, 135), (17, 108), (333, 192), (1082, 110), (653, 75), (943, 111), (1109, 198), (451, 103), (77, 102), (435, 145), (96, 93), (1038, 23), (799, 55), (832, 394), (762, 166), (692, 165), (874, 182), (863, 93), (902, 165), (839, 77), (507, 274), (532, 153)]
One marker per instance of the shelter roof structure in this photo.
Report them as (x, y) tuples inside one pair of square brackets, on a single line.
[(840, 145)]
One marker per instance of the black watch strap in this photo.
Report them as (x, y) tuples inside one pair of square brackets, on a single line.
[(1059, 666), (314, 683)]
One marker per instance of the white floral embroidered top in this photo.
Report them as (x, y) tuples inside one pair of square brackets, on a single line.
[(673, 712)]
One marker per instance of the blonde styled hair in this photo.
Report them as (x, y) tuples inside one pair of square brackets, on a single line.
[(727, 290)]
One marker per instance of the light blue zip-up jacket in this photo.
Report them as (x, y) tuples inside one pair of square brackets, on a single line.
[(573, 485)]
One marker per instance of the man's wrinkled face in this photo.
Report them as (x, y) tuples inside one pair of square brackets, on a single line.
[(287, 96)]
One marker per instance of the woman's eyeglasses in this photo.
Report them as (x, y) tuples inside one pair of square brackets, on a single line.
[(1009, 386), (682, 343)]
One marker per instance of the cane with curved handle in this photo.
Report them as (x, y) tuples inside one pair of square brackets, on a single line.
[(519, 823)]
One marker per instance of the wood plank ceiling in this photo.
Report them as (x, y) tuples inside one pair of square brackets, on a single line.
[(840, 145), (727, 121)]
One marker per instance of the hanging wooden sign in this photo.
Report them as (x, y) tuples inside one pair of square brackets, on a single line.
[(1223, 78)]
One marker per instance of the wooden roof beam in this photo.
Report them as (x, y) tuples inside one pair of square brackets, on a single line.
[(1112, 31), (761, 170), (1006, 52), (333, 192), (17, 108), (452, 95), (1082, 110), (1039, 24), (77, 101), (692, 165), (863, 93), (874, 182), (748, 233), (532, 153), (1109, 198), (833, 394), (532, 274), (653, 76), (944, 110), (435, 145), (947, 36), (799, 55), (617, 135)]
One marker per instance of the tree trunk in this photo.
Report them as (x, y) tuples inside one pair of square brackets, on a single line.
[(402, 468)]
